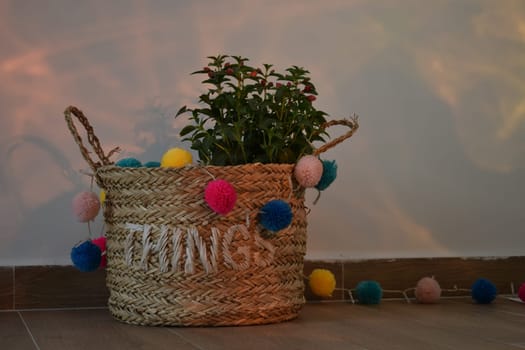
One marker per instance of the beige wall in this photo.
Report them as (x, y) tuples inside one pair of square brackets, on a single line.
[(437, 168)]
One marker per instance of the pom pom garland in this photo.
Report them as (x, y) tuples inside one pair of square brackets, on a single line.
[(152, 164), (521, 292), (308, 171), (328, 176), (101, 244), (369, 292), (322, 282), (427, 291), (220, 196), (275, 215), (176, 158), (86, 206), (484, 291), (129, 163), (86, 256)]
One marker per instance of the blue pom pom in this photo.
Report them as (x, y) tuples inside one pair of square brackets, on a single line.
[(484, 291), (369, 292), (129, 163), (152, 164), (329, 174), (275, 215), (86, 257)]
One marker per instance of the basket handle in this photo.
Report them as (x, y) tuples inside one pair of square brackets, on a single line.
[(92, 139), (351, 123)]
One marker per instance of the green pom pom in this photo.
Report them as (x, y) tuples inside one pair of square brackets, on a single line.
[(129, 163), (369, 292), (152, 164), (329, 174)]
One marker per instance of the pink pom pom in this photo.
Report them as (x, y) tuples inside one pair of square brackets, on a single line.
[(86, 206), (521, 292), (308, 171), (220, 196), (101, 243), (428, 291)]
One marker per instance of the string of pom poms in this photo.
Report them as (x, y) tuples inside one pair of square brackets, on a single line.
[(322, 283), (89, 254)]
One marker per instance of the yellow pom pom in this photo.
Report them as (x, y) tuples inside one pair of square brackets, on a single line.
[(176, 158), (322, 282), (102, 197)]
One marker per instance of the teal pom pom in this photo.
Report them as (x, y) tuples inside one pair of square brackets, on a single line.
[(86, 256), (329, 174), (484, 291), (152, 164), (369, 292), (275, 215), (129, 163)]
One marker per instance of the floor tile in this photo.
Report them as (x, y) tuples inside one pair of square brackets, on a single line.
[(13, 333), (96, 329)]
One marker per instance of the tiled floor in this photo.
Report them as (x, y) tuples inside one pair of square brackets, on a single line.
[(452, 324)]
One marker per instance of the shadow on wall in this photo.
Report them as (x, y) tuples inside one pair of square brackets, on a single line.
[(36, 183), (410, 186)]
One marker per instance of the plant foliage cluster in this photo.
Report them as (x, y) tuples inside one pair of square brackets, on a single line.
[(251, 114)]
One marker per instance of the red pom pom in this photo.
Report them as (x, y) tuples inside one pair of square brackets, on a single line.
[(101, 243), (220, 196), (521, 292), (86, 206)]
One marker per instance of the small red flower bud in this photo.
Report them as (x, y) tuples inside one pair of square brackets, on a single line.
[(278, 85), (311, 98), (307, 88), (253, 74), (270, 84), (263, 82), (206, 69), (288, 84), (227, 64), (229, 71), (211, 74)]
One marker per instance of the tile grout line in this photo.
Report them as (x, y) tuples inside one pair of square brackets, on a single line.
[(47, 309), (343, 280), (14, 288), (173, 331), (28, 331)]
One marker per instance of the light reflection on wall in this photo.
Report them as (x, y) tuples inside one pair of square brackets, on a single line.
[(439, 87)]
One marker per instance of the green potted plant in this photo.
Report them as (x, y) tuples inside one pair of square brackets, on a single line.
[(251, 115), (222, 242)]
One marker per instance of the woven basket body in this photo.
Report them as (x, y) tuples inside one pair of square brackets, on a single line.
[(173, 261)]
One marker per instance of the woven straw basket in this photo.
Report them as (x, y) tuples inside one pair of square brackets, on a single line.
[(174, 262)]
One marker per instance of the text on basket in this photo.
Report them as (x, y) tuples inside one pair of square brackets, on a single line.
[(173, 242)]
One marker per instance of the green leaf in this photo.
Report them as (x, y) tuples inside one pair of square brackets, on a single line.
[(183, 109), (187, 129)]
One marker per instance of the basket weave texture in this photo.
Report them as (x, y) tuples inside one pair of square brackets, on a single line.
[(262, 283), (174, 262)]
